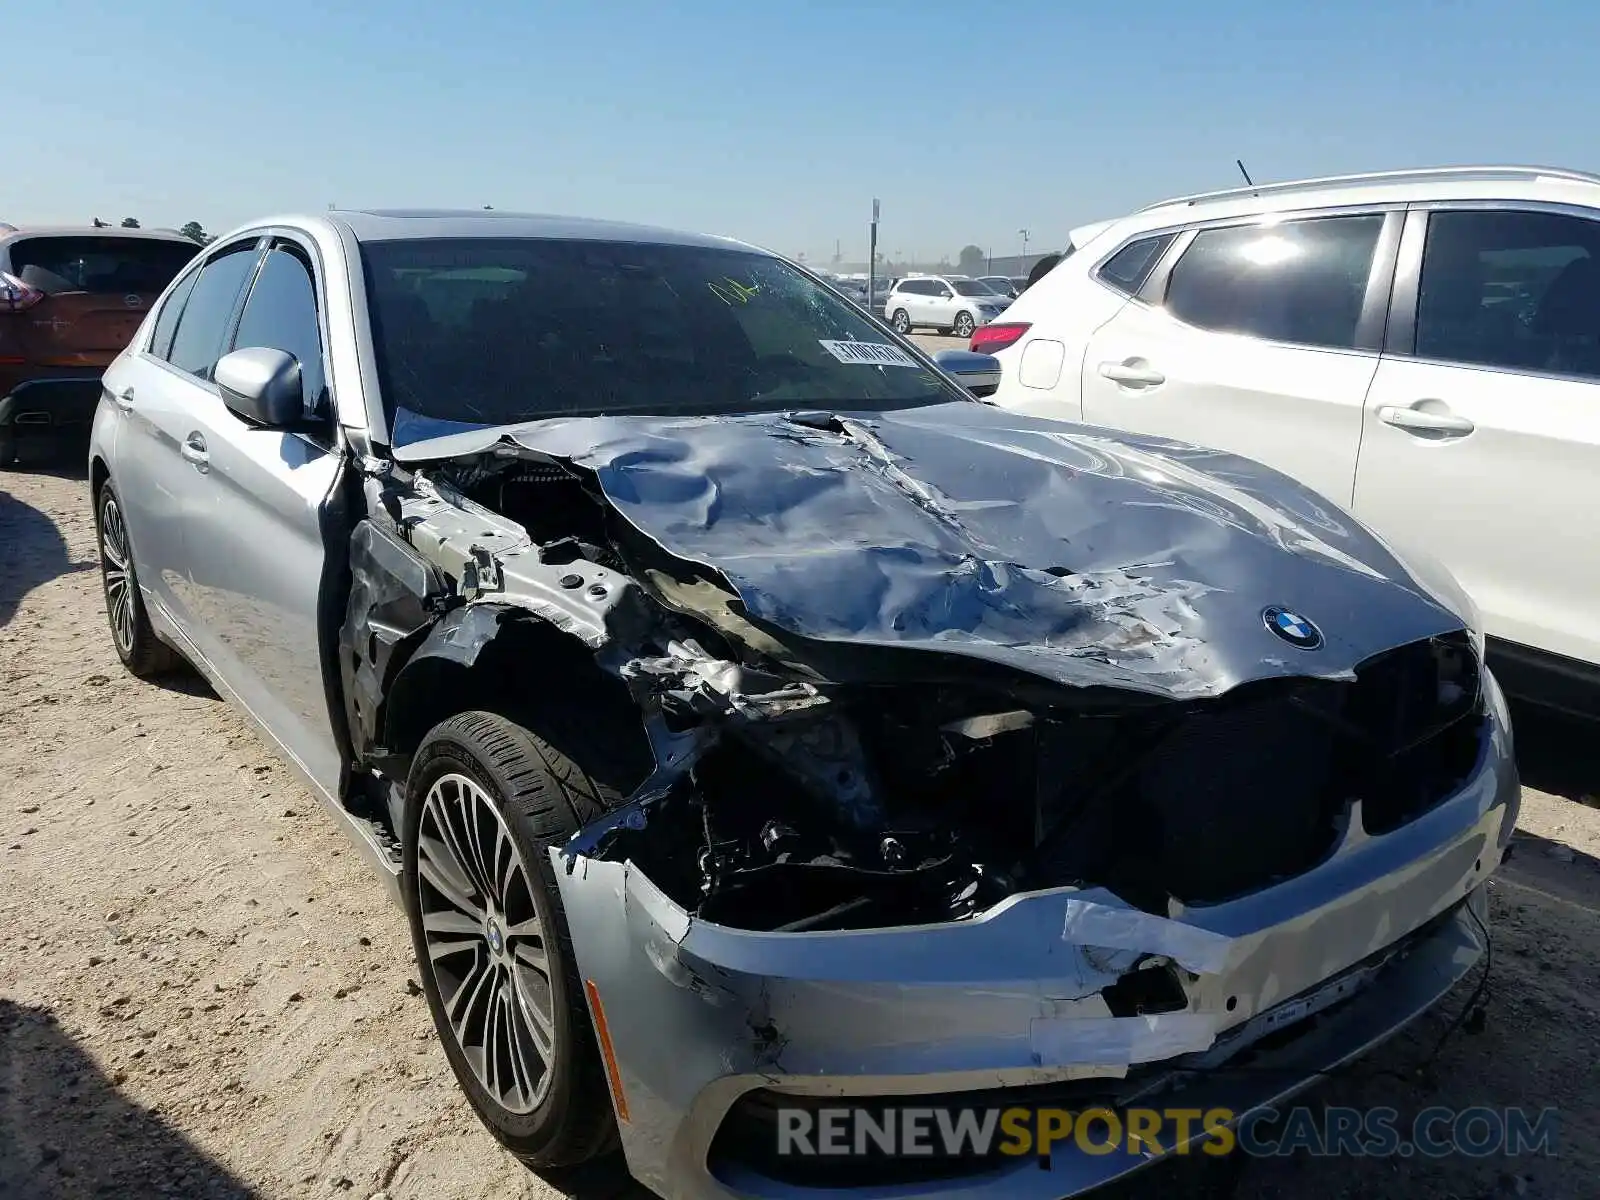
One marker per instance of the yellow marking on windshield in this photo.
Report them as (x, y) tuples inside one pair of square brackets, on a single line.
[(730, 291)]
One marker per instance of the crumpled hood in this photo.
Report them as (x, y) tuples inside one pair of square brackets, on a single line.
[(1077, 554)]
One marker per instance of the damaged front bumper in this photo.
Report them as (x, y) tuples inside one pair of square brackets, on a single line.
[(1010, 1007)]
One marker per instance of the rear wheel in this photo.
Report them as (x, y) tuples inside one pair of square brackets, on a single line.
[(901, 321), (486, 800), (141, 652), (964, 325)]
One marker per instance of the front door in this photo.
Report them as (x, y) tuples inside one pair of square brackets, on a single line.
[(256, 560), (1482, 435)]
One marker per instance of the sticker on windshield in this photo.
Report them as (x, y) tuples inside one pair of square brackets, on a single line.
[(871, 354)]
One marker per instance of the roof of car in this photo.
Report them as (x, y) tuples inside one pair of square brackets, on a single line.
[(12, 232), (1421, 178), (372, 225), (1465, 183)]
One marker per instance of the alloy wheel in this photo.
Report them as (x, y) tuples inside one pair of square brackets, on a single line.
[(116, 568), (486, 943)]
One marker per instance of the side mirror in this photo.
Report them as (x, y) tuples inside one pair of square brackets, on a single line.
[(978, 373), (262, 386)]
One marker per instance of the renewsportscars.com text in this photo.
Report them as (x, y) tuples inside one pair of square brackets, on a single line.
[(1319, 1132)]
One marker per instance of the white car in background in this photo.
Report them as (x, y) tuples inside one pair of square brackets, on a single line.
[(954, 303), (1420, 347)]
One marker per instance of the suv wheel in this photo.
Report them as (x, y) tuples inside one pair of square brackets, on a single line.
[(486, 798), (964, 325), (901, 321), (141, 652)]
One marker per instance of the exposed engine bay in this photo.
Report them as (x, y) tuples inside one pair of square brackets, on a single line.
[(803, 783)]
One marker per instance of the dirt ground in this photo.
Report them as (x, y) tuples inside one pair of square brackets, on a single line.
[(202, 992)]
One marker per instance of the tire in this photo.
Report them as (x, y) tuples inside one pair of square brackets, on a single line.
[(472, 934), (8, 447), (964, 325), (901, 321), (141, 652)]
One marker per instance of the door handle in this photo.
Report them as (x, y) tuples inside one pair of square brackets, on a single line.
[(1130, 375), (194, 451), (124, 399), (1424, 421)]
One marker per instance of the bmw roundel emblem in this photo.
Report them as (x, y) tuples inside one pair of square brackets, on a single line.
[(1293, 628)]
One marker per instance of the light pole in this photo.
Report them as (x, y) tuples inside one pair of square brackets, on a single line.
[(1024, 234), (872, 258)]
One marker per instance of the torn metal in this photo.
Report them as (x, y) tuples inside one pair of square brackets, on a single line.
[(969, 758)]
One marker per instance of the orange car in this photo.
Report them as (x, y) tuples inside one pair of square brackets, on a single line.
[(70, 299)]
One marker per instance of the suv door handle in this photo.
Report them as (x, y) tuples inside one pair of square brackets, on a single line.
[(1427, 422), (194, 451), (124, 399), (1130, 375)]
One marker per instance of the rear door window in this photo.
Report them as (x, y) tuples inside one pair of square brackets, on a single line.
[(109, 266), (167, 318), (198, 342), (1302, 281)]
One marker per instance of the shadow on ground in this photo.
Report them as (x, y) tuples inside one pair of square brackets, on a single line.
[(66, 1131), (32, 552)]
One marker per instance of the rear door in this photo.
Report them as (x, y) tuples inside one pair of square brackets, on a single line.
[(1482, 435), (905, 297), (255, 556), (1257, 337), (155, 393), (97, 289)]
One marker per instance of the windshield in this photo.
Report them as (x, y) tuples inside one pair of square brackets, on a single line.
[(493, 331), (973, 287)]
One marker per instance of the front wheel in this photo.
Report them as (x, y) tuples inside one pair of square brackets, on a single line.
[(901, 321), (486, 799), (964, 325), (8, 447)]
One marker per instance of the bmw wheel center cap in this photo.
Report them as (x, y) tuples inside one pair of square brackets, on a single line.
[(1293, 628)]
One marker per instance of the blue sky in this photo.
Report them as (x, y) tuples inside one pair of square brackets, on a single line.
[(771, 120)]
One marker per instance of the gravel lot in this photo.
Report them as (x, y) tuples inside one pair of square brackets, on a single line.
[(203, 994)]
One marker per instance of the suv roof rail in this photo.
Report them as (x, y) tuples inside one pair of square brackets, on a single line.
[(1414, 175)]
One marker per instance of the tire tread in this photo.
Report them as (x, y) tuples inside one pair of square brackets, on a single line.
[(555, 796)]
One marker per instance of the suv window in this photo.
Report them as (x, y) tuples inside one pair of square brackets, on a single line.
[(281, 312), (1128, 268), (1295, 281), (167, 318), (198, 343), (915, 287), (104, 266), (1519, 290)]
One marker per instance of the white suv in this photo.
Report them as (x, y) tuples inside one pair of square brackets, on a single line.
[(945, 302), (1421, 347)]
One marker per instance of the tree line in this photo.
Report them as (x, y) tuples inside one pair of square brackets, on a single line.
[(192, 230)]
